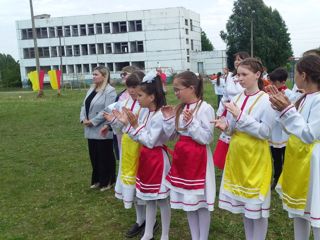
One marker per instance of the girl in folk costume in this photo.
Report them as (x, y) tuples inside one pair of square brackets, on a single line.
[(232, 88), (299, 183), (153, 162), (245, 185), (125, 188), (191, 178)]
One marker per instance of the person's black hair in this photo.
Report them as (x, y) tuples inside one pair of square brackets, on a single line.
[(155, 88), (279, 74), (134, 79)]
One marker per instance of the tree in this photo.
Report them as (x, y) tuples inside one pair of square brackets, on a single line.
[(9, 71), (206, 44), (271, 40)]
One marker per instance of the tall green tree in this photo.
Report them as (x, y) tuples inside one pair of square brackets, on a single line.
[(206, 44), (271, 40), (9, 72)]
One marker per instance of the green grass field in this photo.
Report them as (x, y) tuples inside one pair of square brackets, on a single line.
[(45, 177)]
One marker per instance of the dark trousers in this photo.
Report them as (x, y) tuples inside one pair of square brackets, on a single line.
[(102, 161), (278, 160)]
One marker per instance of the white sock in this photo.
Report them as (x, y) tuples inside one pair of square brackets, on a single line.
[(204, 223), (316, 233), (193, 220), (260, 228), (248, 227), (140, 213), (301, 229), (151, 212), (165, 211)]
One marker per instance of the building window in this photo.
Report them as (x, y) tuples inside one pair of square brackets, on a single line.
[(188, 59), (69, 51), (186, 22), (100, 48), (187, 40), (90, 29), (44, 52), (83, 30), (110, 66), (76, 50), (93, 66), (70, 68), (136, 46), (84, 49), (120, 65), (75, 32), (64, 69), (191, 44), (98, 28), (139, 65), (67, 31), (106, 28), (135, 26), (119, 27), (54, 52), (187, 31), (52, 32), (121, 47), (78, 68), (86, 68), (191, 25), (42, 32), (59, 31), (108, 48), (55, 67), (28, 53), (188, 51), (92, 49)]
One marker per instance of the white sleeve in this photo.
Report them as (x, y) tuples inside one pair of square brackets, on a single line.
[(200, 127), (294, 123), (261, 128), (169, 127), (148, 136)]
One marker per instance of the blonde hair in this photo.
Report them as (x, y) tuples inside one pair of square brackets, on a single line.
[(106, 77)]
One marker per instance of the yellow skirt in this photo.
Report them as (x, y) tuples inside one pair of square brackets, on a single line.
[(129, 160), (248, 168), (294, 180)]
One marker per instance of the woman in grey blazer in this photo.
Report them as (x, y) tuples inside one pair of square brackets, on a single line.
[(98, 97)]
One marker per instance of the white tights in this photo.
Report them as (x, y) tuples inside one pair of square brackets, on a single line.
[(199, 223), (151, 213), (302, 230), (255, 229), (140, 213)]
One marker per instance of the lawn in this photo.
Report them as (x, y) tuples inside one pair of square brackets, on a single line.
[(45, 173)]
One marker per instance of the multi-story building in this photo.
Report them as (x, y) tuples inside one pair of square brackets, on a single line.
[(77, 44)]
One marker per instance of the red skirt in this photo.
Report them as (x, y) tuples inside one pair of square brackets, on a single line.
[(220, 153), (150, 171), (189, 164)]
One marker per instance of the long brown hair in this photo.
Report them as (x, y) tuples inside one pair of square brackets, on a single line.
[(254, 65), (310, 65), (188, 79)]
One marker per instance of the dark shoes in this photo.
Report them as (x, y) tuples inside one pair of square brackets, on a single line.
[(135, 230)]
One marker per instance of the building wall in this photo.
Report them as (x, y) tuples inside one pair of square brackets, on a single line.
[(171, 38), (212, 61)]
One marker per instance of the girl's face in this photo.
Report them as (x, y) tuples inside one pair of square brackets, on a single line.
[(132, 92), (247, 78), (97, 77), (237, 61), (184, 94), (145, 100)]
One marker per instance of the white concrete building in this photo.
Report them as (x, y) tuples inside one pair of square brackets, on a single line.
[(146, 38)]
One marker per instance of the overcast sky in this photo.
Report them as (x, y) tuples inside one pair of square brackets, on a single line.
[(301, 17)]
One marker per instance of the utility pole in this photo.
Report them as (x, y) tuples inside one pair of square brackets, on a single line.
[(251, 38), (36, 51)]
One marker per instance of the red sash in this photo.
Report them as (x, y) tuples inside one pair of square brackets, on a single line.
[(189, 163), (150, 171), (220, 153)]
